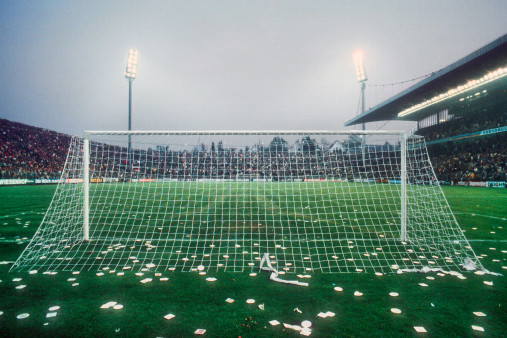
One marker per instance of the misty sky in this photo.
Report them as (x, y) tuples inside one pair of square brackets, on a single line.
[(223, 64)]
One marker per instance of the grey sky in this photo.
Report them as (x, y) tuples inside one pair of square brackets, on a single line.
[(223, 64)]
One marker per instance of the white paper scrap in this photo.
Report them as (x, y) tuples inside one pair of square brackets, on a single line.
[(19, 287), (146, 280), (118, 307), (358, 294), (211, 279), (488, 282), (169, 316), (54, 308), (229, 300), (51, 314), (480, 314), (393, 294), (305, 332), (107, 305), (339, 289), (200, 331), (395, 310), (419, 329), (17, 279), (261, 306), (306, 323), (478, 328), (423, 284), (250, 301), (274, 322), (23, 316)]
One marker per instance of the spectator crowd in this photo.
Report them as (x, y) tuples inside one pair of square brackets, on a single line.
[(31, 152), (464, 125)]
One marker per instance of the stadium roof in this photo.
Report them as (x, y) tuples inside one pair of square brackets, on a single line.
[(474, 66)]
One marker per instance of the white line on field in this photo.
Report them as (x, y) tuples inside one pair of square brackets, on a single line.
[(472, 214)]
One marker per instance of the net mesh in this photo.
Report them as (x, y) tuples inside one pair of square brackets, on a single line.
[(315, 201)]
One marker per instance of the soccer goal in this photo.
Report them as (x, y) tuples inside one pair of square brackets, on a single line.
[(309, 201)]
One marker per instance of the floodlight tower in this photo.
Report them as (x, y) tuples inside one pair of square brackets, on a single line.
[(358, 57), (130, 75)]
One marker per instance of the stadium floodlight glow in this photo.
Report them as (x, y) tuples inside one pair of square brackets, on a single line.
[(462, 88), (358, 57), (130, 72), (130, 75)]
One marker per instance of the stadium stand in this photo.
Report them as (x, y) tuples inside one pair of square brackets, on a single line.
[(461, 110), (31, 152)]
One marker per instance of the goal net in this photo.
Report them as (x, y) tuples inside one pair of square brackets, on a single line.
[(312, 201)]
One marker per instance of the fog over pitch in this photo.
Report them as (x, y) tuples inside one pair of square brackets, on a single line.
[(223, 64)]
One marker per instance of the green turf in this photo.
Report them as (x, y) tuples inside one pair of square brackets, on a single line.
[(444, 308)]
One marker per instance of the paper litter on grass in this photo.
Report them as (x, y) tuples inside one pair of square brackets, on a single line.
[(478, 328), (108, 305), (395, 310), (339, 289), (169, 316), (211, 279), (480, 314), (54, 308), (393, 294), (292, 327), (51, 314), (23, 316), (274, 322), (200, 331), (250, 301), (306, 324), (419, 329), (358, 294), (229, 300), (326, 314), (146, 280)]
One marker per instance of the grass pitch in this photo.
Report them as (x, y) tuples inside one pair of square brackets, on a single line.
[(444, 308)]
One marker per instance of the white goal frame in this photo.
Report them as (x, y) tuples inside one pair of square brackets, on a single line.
[(355, 201), (86, 160)]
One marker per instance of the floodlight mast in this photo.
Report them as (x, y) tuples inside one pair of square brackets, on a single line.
[(130, 75), (358, 57)]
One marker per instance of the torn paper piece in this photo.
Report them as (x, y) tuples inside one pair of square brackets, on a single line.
[(169, 316), (274, 322), (478, 328), (108, 305), (306, 324)]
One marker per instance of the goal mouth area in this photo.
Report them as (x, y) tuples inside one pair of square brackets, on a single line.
[(352, 201), (291, 256)]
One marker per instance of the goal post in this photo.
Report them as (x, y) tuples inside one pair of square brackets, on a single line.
[(326, 201)]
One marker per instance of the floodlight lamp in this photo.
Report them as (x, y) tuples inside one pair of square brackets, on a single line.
[(130, 73), (358, 57)]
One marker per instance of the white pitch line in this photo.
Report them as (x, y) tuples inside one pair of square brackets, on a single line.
[(473, 214)]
